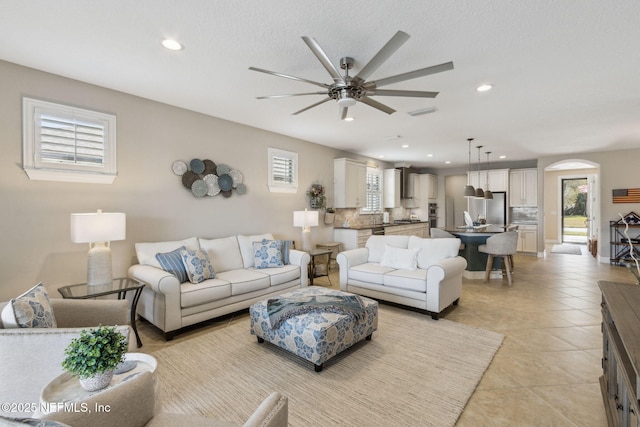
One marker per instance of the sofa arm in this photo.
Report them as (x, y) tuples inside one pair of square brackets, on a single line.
[(348, 259), (301, 259), (73, 313), (444, 283), (157, 279)]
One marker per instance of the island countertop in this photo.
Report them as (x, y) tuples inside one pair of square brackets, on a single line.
[(371, 226)]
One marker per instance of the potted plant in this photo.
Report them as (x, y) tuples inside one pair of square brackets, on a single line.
[(329, 216), (94, 355), (317, 197)]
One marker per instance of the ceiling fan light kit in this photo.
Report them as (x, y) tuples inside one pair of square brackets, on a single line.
[(348, 91)]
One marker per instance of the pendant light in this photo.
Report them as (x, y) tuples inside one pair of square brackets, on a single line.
[(488, 195), (479, 192), (469, 191)]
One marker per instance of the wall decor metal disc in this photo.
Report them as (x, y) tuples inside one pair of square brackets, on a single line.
[(197, 165), (222, 169), (199, 188), (209, 167), (237, 177), (212, 182), (226, 193), (225, 182), (241, 189), (188, 178), (179, 167)]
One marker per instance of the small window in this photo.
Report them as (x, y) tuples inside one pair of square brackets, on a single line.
[(283, 171), (374, 191), (63, 143)]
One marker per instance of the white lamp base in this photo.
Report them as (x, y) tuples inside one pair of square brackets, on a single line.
[(306, 238), (99, 264)]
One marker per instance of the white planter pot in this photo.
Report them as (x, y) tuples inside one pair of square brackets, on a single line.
[(97, 382)]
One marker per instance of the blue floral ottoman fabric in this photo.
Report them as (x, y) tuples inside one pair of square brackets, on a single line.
[(315, 336)]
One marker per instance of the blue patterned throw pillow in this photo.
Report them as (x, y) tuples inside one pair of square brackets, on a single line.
[(30, 310), (197, 264), (268, 253), (171, 262)]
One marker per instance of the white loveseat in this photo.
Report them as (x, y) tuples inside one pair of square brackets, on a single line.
[(407, 270), (171, 305)]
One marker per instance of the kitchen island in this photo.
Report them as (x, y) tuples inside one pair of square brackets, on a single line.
[(476, 260)]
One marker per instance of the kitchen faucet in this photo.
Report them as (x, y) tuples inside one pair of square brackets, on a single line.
[(374, 217)]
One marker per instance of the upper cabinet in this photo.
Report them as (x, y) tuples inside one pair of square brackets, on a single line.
[(391, 188), (498, 179), (349, 183), (523, 187), (428, 187)]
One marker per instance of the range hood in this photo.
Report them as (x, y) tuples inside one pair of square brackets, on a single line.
[(406, 183)]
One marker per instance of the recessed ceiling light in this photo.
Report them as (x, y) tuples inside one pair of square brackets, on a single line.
[(447, 162), (381, 157), (503, 157), (349, 119), (172, 44), (429, 155), (405, 145), (484, 87)]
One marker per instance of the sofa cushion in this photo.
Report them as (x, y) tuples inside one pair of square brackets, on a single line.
[(197, 264), (223, 253), (412, 280), (32, 309), (400, 258), (283, 274), (434, 250), (209, 290), (377, 244), (246, 247), (369, 272), (267, 254), (243, 280), (146, 252), (171, 262)]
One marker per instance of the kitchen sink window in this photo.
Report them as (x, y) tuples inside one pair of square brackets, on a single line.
[(374, 191)]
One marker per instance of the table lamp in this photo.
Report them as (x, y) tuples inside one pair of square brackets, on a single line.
[(305, 219), (98, 229)]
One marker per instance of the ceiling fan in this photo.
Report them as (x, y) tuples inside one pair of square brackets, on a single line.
[(348, 90)]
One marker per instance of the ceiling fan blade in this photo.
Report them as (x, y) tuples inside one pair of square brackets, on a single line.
[(375, 104), (410, 75), (383, 54), (323, 58), (311, 106), (343, 112), (412, 93), (290, 95), (286, 76)]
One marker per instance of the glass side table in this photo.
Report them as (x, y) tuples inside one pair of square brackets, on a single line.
[(314, 253), (119, 286)]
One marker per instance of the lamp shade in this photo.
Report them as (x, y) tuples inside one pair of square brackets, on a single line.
[(97, 227), (305, 218)]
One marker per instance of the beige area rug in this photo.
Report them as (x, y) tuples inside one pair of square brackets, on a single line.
[(414, 372), (566, 249)]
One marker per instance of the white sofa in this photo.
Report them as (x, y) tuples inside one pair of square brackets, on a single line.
[(171, 305), (434, 284)]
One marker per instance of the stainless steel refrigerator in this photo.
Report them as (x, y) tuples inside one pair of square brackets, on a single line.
[(495, 210)]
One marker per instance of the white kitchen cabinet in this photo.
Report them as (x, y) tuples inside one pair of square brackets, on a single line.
[(528, 238), (428, 188), (413, 184), (391, 188), (498, 179), (523, 187), (349, 183)]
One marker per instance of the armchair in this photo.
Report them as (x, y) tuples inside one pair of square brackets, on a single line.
[(30, 358)]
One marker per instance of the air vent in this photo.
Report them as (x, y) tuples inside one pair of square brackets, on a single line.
[(422, 111)]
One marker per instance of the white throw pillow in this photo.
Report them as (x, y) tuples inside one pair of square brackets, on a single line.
[(399, 258)]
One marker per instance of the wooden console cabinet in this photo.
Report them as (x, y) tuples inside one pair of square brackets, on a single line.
[(620, 352)]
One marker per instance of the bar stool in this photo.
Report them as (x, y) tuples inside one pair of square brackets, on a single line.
[(500, 245)]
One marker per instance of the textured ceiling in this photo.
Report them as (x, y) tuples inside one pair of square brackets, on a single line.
[(566, 73)]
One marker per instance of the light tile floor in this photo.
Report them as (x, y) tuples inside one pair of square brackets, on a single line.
[(546, 372)]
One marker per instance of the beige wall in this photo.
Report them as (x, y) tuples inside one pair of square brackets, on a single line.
[(552, 199), (35, 243)]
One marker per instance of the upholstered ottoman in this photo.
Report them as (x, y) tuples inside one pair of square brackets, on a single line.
[(316, 333)]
